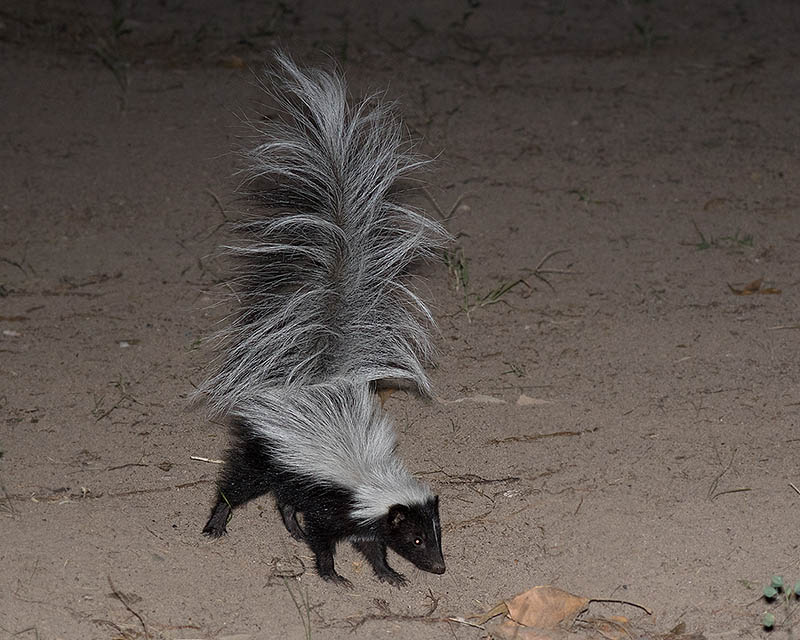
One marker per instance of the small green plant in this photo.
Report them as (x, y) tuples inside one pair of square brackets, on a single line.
[(455, 260), (646, 32), (745, 240), (518, 369), (495, 295), (644, 25), (777, 594), (456, 264), (583, 194), (738, 240)]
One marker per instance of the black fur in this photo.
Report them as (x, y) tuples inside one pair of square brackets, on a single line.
[(250, 471)]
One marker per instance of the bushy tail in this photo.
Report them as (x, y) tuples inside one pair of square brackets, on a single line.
[(322, 269)]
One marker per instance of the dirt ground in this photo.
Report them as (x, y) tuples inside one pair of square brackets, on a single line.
[(615, 416)]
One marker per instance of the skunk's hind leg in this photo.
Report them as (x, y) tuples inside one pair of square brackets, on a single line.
[(289, 515), (217, 523), (245, 476)]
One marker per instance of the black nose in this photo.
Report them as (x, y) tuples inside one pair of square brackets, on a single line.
[(437, 568)]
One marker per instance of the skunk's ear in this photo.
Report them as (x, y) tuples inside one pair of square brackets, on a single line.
[(397, 515)]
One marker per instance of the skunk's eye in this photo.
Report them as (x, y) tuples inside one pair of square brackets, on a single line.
[(417, 541)]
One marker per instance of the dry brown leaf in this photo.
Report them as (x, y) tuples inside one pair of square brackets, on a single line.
[(754, 287), (751, 288), (548, 613), (545, 607), (613, 628), (496, 610), (385, 394), (714, 203)]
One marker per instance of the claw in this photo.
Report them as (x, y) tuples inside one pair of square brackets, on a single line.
[(394, 578), (338, 580)]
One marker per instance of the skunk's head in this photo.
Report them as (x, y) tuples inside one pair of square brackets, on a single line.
[(414, 532)]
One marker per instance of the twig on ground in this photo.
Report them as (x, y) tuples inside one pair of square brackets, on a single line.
[(445, 217), (202, 459), (305, 611), (713, 488), (219, 204), (540, 436), (628, 602), (538, 271), (121, 597), (8, 506)]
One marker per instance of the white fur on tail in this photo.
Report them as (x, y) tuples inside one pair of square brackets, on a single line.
[(335, 434), (321, 274)]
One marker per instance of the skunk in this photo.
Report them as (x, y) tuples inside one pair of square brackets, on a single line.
[(327, 318), (345, 478)]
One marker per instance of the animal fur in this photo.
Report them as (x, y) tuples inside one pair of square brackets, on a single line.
[(322, 269), (327, 317)]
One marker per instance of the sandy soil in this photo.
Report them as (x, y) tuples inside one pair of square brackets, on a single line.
[(618, 423)]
